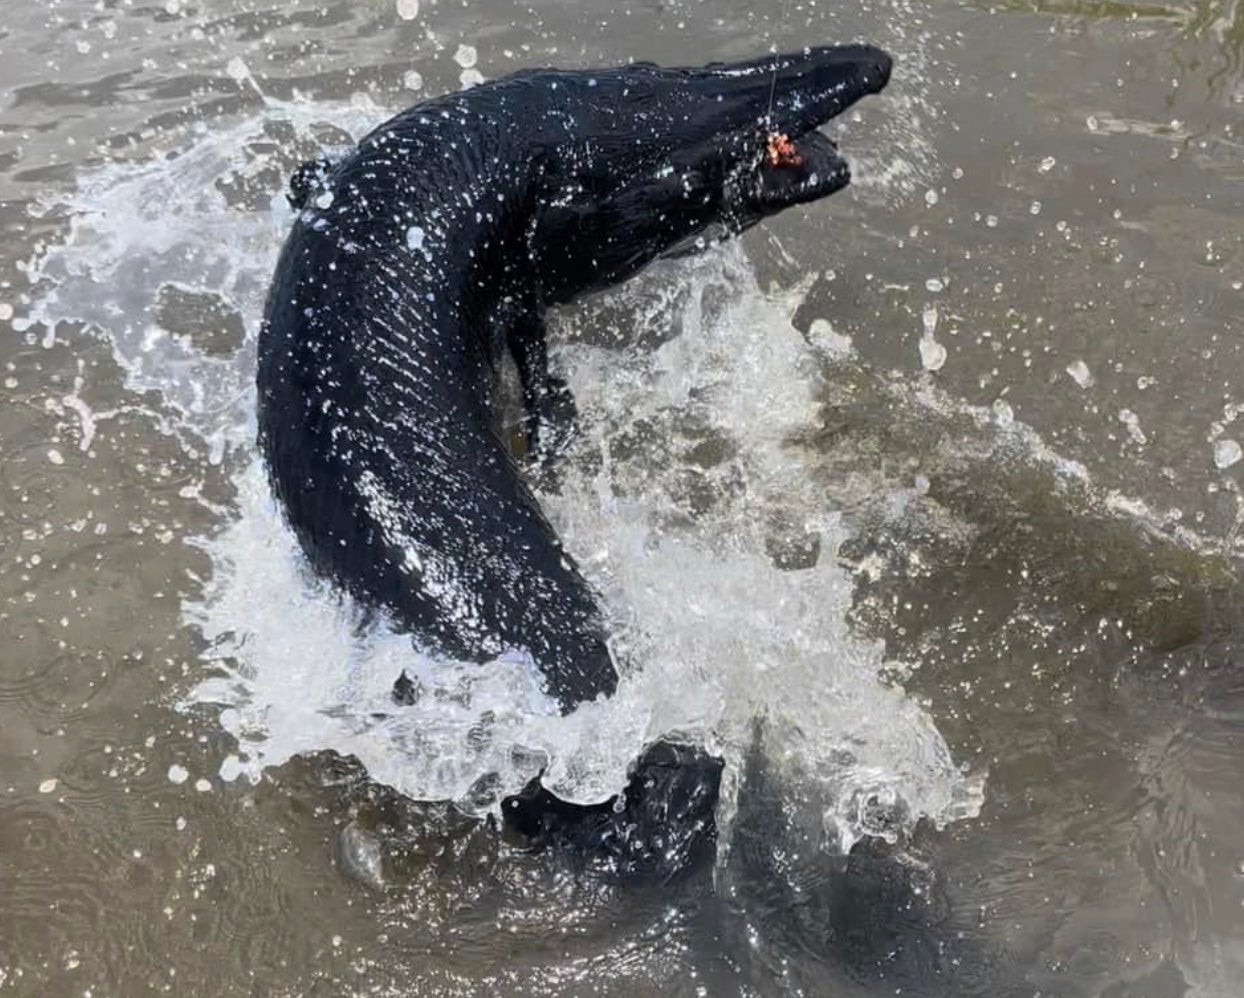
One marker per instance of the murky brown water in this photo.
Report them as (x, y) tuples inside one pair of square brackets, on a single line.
[(1005, 524)]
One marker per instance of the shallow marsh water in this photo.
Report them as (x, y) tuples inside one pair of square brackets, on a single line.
[(921, 506)]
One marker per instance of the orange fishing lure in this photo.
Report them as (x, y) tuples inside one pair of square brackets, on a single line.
[(781, 151)]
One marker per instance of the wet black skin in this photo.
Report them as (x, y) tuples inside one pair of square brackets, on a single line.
[(418, 261), (660, 825)]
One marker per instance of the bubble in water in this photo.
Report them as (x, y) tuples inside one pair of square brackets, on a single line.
[(1226, 453), (930, 197), (407, 10), (237, 69), (412, 80), (178, 774), (932, 354), (358, 854), (1080, 373), (47, 786), (1047, 164), (466, 56), (415, 237), (470, 78), (1132, 422)]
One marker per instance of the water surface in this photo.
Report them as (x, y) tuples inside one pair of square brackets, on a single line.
[(920, 505)]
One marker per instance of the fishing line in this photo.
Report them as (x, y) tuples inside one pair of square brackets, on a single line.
[(773, 85)]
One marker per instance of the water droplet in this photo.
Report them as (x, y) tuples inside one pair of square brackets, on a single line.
[(935, 284), (1132, 422), (1226, 453), (930, 197), (932, 354), (47, 786), (1080, 373), (358, 854), (324, 199), (1047, 164), (415, 237), (55, 456)]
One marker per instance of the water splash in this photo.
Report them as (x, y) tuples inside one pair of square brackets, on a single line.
[(207, 220), (714, 628)]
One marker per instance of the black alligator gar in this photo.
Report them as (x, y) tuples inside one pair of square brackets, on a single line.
[(422, 257)]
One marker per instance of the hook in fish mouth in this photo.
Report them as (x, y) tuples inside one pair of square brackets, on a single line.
[(805, 168), (788, 160)]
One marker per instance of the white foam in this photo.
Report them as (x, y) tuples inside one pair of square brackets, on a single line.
[(138, 227)]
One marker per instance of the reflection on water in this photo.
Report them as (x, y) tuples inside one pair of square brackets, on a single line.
[(923, 509), (1219, 22)]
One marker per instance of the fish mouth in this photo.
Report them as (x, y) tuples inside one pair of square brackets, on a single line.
[(797, 170), (797, 162)]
